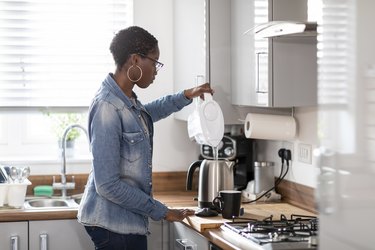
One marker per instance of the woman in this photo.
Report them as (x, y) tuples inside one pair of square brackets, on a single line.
[(118, 196)]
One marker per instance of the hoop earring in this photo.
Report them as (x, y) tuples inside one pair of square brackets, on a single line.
[(127, 73)]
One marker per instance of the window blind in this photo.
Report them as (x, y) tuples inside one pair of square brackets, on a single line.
[(336, 52), (337, 74), (56, 53)]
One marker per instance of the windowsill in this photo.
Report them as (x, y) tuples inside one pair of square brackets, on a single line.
[(27, 160), (44, 165)]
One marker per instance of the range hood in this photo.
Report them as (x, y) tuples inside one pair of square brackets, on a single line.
[(284, 28)]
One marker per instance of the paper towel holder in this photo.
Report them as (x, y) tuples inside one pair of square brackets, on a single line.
[(270, 127), (248, 124)]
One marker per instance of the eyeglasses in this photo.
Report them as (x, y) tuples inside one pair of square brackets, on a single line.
[(158, 65)]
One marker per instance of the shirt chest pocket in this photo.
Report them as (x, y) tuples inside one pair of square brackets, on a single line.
[(131, 148)]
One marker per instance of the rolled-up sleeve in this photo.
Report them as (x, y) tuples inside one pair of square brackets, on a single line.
[(165, 106)]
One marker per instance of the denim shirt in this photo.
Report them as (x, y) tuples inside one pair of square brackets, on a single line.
[(118, 194)]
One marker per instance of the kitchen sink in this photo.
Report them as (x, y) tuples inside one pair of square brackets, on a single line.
[(51, 203), (77, 198), (48, 203)]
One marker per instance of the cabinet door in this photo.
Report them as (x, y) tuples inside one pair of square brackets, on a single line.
[(249, 55), (202, 47), (159, 235), (155, 239), (190, 46), (220, 59), (58, 235), (14, 235), (294, 59)]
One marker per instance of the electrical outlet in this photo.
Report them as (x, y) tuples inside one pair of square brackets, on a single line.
[(290, 146), (304, 153)]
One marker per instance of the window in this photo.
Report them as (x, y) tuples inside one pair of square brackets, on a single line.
[(336, 76), (55, 53), (53, 57)]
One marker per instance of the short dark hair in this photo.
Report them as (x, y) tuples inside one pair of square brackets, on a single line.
[(131, 40)]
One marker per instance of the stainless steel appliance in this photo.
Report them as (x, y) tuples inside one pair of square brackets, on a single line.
[(298, 232), (238, 149), (264, 177), (214, 175)]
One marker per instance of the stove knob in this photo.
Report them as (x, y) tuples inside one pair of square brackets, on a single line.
[(313, 240)]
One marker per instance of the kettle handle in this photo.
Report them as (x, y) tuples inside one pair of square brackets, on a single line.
[(189, 179)]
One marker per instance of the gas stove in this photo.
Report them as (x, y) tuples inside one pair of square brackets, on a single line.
[(297, 232)]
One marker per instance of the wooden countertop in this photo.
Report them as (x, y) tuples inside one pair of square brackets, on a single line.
[(177, 199), (37, 214), (171, 199)]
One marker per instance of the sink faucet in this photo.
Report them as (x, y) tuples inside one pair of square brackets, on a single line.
[(64, 185)]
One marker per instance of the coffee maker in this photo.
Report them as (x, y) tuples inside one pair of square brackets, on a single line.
[(238, 149)]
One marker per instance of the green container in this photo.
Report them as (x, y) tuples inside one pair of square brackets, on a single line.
[(43, 190)]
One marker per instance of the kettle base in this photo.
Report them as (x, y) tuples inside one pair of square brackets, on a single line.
[(206, 212)]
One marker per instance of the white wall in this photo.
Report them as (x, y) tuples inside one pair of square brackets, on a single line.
[(299, 172)]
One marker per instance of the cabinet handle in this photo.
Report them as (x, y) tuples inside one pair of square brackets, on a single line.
[(186, 244), (258, 72), (43, 240), (14, 242)]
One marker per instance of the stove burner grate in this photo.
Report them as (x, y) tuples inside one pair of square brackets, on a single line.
[(299, 228)]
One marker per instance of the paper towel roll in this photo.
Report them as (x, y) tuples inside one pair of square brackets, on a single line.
[(270, 127)]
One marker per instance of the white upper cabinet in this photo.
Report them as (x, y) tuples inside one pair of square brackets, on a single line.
[(271, 72), (246, 72), (249, 55)]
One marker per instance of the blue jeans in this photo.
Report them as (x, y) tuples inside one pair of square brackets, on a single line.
[(107, 240)]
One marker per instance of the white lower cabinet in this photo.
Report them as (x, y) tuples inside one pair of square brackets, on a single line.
[(14, 235), (69, 234), (58, 235)]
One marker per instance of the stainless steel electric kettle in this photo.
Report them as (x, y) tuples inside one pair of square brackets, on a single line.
[(214, 175)]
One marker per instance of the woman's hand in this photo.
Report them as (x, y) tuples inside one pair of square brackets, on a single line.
[(198, 91), (178, 214)]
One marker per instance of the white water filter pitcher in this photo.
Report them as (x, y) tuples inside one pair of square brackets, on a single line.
[(206, 123)]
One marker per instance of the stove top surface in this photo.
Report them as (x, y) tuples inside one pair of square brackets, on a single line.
[(296, 232)]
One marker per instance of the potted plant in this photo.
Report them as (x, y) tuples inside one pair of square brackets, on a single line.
[(60, 121)]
